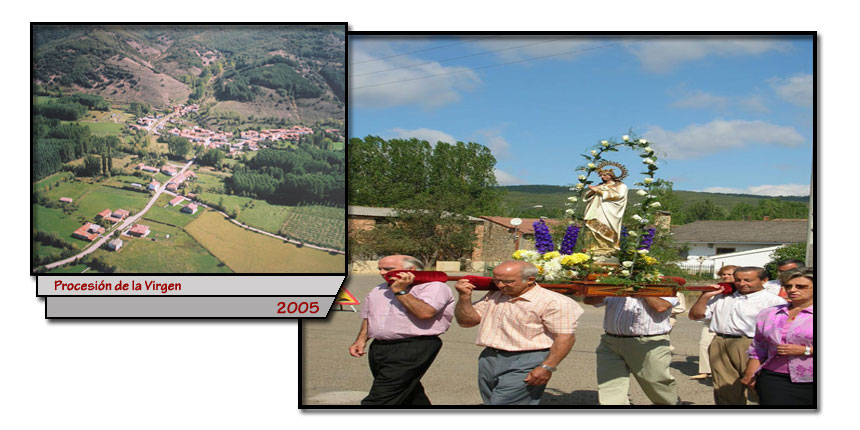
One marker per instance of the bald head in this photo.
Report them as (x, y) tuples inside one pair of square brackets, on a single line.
[(515, 277), (398, 262)]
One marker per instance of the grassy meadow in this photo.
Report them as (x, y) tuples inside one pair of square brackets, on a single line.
[(157, 253), (162, 212), (248, 252)]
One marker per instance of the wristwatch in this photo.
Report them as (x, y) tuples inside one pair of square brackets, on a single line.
[(550, 368), (808, 351), (400, 293)]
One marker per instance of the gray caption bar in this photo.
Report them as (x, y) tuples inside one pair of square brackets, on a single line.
[(187, 307), (165, 286)]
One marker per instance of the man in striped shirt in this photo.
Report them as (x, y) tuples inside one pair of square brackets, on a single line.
[(527, 331), (636, 341)]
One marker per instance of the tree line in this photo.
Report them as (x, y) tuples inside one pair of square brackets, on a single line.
[(303, 174), (432, 188)]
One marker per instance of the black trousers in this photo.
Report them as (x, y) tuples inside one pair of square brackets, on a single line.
[(776, 389), (397, 367)]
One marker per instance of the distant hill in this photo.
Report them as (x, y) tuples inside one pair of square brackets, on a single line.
[(519, 200), (291, 72)]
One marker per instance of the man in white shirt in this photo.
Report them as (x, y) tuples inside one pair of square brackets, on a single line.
[(733, 321), (636, 342), (782, 266)]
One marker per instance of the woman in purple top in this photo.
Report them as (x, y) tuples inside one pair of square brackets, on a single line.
[(780, 357)]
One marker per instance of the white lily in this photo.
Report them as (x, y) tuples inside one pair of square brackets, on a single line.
[(648, 161), (641, 193), (625, 138), (627, 264)]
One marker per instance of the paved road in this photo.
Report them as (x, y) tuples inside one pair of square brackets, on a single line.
[(125, 223), (331, 376)]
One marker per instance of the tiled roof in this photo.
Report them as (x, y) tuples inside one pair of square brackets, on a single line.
[(781, 231)]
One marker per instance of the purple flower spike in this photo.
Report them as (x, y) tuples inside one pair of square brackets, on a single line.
[(543, 240), (569, 240), (648, 239)]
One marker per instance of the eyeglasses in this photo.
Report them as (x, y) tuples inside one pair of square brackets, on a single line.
[(797, 286), (506, 282)]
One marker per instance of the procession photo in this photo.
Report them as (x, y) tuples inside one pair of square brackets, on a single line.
[(575, 221)]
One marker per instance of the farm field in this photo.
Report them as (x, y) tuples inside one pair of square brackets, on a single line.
[(54, 220), (157, 253), (253, 212), (163, 213), (248, 252), (103, 128), (319, 225)]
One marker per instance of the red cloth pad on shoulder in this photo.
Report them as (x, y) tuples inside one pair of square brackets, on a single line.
[(420, 277)]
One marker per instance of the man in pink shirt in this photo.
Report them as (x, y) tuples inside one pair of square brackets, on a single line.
[(526, 331), (405, 322)]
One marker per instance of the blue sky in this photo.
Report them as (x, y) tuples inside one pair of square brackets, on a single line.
[(730, 114)]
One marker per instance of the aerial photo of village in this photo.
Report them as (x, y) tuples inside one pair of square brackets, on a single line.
[(188, 149)]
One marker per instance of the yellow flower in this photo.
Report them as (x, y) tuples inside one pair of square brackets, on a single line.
[(649, 260), (518, 254), (550, 255), (574, 259)]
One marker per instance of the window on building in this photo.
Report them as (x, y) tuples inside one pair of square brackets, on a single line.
[(725, 250)]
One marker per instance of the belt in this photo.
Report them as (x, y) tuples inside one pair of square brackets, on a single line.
[(503, 351), (730, 336), (406, 339), (635, 335)]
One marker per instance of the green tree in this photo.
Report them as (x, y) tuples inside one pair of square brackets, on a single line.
[(92, 166), (703, 210), (433, 189), (795, 251), (178, 146)]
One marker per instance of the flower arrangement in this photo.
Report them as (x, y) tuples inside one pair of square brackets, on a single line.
[(635, 266)]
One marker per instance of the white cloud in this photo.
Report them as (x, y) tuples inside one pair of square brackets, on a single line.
[(698, 140), (765, 190), (391, 82), (699, 99), (517, 48), (661, 56), (754, 104), (492, 139), (432, 136), (504, 178), (795, 90)]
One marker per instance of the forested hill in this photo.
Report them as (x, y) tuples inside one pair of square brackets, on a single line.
[(686, 206), (290, 71)]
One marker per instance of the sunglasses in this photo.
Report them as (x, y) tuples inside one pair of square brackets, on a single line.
[(799, 287)]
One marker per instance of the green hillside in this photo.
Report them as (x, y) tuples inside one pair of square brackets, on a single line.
[(519, 200), (294, 72)]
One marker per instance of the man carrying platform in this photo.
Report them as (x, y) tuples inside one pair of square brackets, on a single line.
[(636, 342), (405, 322), (733, 320), (526, 331)]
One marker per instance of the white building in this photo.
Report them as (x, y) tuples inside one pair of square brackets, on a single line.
[(714, 244)]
